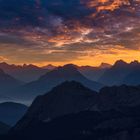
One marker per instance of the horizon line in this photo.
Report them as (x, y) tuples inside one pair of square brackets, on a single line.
[(51, 64)]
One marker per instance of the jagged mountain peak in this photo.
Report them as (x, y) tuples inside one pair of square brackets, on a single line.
[(66, 72), (120, 63), (66, 98), (70, 86), (135, 62), (49, 67), (68, 66), (104, 65)]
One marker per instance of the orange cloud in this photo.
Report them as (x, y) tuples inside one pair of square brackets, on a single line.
[(107, 4), (87, 34), (96, 57)]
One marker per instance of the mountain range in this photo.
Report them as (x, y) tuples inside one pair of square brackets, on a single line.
[(69, 102), (94, 73), (25, 73), (71, 111), (7, 82), (122, 73), (29, 73), (67, 98), (51, 79), (109, 125), (117, 74), (92, 77)]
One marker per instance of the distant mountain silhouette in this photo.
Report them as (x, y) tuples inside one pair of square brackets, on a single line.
[(49, 67), (82, 114), (4, 128), (26, 73), (133, 78), (72, 97), (11, 112), (105, 65), (7, 82), (52, 79), (121, 73), (93, 73)]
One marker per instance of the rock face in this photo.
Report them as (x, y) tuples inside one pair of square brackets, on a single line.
[(107, 125), (67, 98), (52, 79), (118, 96), (72, 111)]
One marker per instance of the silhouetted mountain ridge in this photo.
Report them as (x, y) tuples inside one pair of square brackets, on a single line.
[(49, 67), (122, 73), (93, 73), (118, 96), (7, 82), (67, 98), (71, 111), (53, 78), (26, 73)]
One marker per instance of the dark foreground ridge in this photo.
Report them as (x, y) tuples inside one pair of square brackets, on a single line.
[(73, 112)]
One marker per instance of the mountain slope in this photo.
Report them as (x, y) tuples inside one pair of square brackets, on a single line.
[(4, 128), (119, 96), (71, 111), (52, 79), (86, 125), (67, 98), (49, 67), (133, 77), (7, 82), (120, 71), (26, 73), (10, 112), (93, 73)]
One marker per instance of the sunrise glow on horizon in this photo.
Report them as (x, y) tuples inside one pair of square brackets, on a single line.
[(49, 32)]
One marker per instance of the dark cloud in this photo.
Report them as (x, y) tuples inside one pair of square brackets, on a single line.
[(38, 12), (11, 39), (61, 30)]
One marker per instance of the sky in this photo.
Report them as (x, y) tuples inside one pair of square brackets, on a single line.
[(83, 32)]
